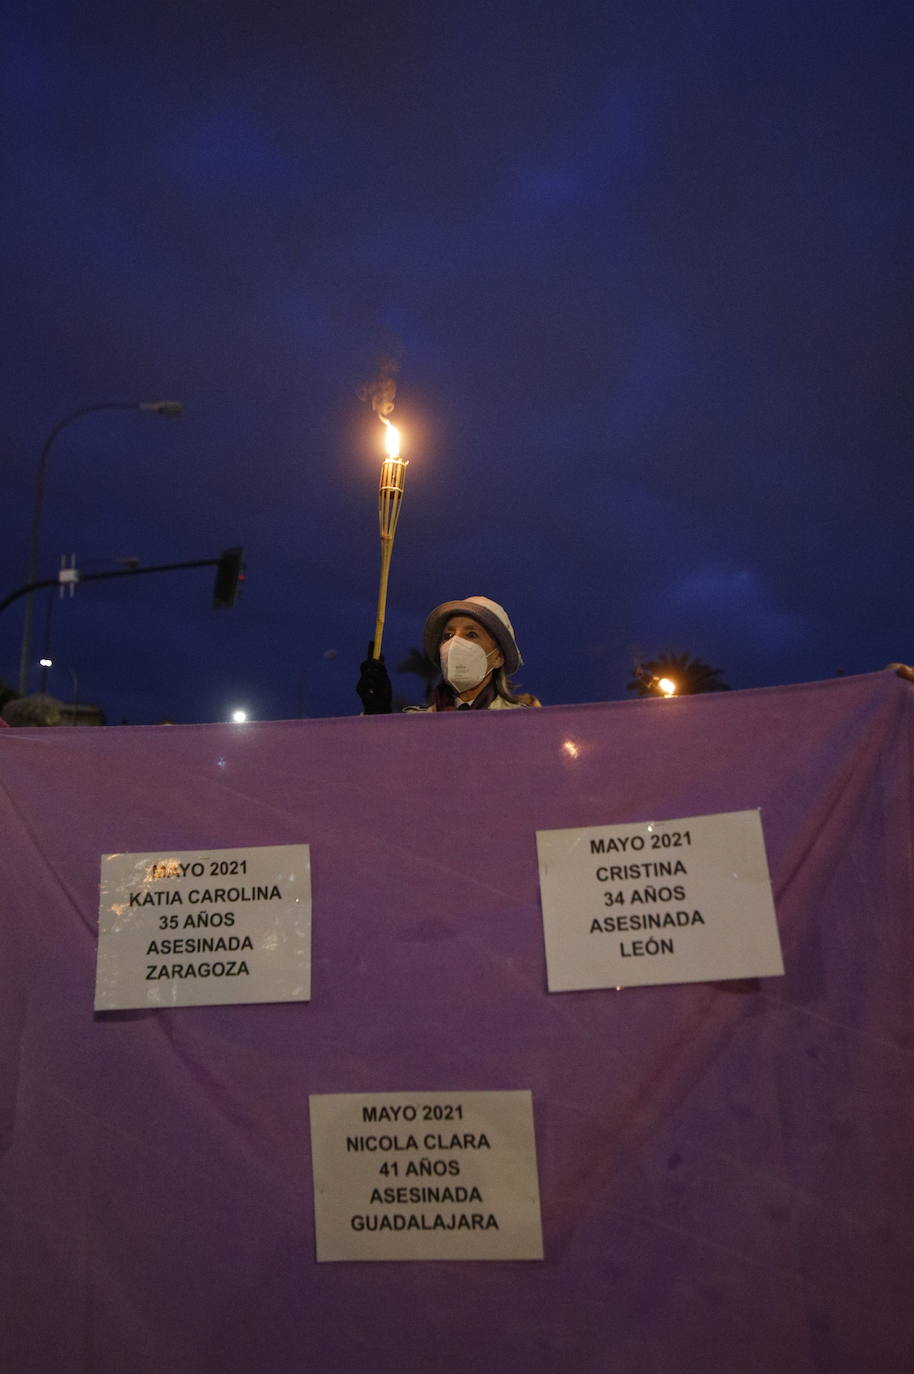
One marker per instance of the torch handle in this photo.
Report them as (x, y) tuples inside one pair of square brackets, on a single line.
[(390, 498), (387, 548)]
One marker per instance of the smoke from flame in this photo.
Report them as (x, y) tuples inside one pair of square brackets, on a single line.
[(381, 393)]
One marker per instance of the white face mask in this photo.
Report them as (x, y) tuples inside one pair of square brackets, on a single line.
[(463, 664)]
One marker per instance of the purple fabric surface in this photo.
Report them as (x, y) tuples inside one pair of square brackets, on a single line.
[(726, 1171)]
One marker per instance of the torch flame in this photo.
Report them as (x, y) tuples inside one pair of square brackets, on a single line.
[(393, 438)]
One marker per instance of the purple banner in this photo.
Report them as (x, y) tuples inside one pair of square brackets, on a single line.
[(725, 1170)]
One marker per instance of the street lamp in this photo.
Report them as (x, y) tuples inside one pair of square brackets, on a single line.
[(169, 409)]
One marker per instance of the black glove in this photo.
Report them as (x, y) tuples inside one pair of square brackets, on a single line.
[(374, 687)]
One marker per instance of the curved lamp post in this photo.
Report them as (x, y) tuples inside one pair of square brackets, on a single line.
[(170, 409)]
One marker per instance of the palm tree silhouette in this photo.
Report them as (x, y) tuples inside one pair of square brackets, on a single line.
[(417, 664), (689, 675)]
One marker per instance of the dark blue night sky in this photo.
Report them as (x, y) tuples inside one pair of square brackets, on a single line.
[(648, 267)]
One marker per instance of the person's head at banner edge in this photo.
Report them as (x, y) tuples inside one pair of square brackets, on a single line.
[(472, 644)]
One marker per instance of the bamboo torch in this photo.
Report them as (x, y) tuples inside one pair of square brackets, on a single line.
[(390, 498)]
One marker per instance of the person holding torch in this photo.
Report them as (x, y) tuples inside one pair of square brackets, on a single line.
[(472, 642)]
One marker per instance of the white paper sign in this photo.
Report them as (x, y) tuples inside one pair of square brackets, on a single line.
[(681, 901), (425, 1176), (185, 929)]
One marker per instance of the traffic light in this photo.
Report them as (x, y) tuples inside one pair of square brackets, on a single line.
[(229, 572)]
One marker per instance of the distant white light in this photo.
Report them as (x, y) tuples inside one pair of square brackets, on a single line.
[(667, 686), (46, 663), (239, 717), (571, 749)]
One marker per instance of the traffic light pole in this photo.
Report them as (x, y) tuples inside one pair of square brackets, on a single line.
[(72, 576)]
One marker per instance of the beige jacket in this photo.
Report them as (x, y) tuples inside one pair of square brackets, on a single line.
[(499, 704)]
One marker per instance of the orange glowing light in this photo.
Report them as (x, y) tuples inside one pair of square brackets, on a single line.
[(392, 440)]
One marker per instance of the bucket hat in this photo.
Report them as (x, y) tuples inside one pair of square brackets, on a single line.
[(490, 615)]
